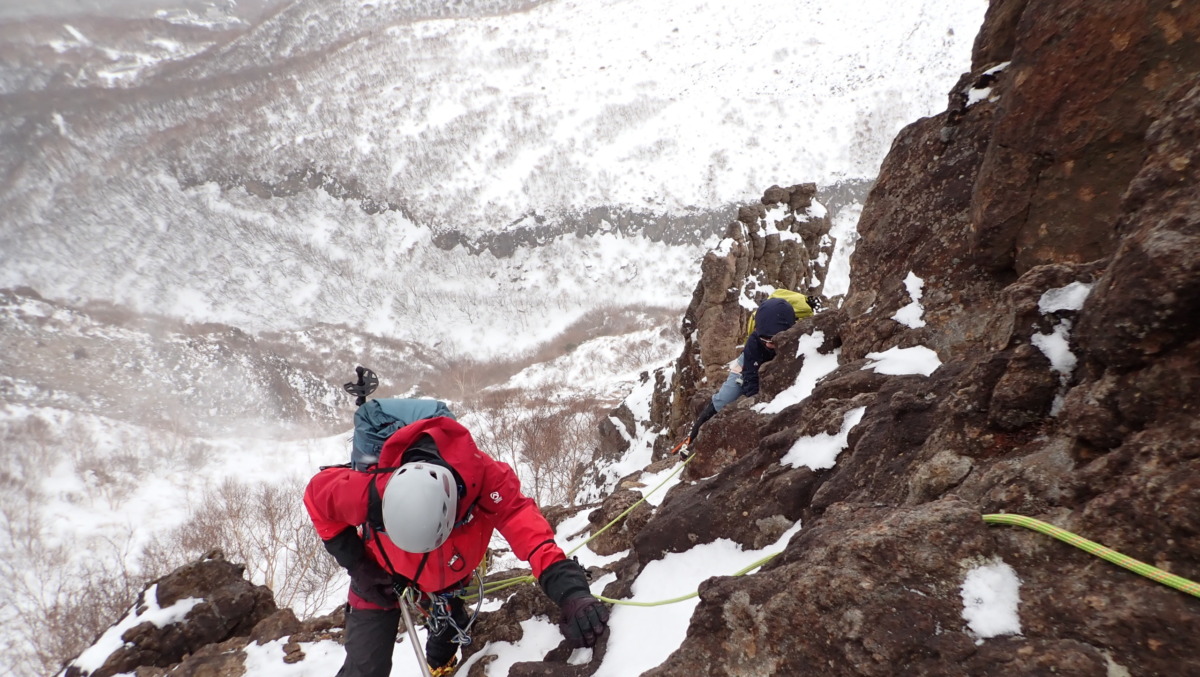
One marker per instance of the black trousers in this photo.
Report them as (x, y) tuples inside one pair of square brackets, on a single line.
[(369, 640), (371, 637)]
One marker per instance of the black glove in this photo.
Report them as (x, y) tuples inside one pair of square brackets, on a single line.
[(369, 581), (584, 619)]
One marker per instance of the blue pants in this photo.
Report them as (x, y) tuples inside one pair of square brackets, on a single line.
[(729, 391)]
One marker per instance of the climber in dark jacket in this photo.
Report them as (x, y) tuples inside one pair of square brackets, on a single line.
[(773, 316)]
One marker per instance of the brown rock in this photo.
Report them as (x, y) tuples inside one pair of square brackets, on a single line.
[(1085, 83), (282, 623), (619, 536), (1025, 393), (1149, 301), (231, 607), (873, 589), (1085, 169)]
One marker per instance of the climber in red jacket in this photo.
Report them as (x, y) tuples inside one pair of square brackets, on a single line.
[(427, 525)]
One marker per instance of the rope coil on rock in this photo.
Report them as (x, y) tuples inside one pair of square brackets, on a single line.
[(1091, 547)]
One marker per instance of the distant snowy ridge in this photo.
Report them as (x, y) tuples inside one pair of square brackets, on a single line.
[(491, 116), (150, 196)]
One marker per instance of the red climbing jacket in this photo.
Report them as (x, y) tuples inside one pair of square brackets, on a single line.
[(337, 498)]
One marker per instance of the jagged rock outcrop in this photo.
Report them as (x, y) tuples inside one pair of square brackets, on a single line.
[(224, 613), (221, 605), (1086, 82), (777, 244)]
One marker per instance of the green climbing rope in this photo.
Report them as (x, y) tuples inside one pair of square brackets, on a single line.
[(496, 586), (1138, 567), (628, 510), (681, 598)]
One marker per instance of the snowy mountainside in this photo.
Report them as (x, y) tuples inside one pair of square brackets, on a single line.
[(206, 380), (317, 27), (188, 196), (200, 380), (386, 277), (46, 54), (509, 115)]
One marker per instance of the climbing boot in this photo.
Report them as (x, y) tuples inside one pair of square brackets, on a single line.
[(709, 412)]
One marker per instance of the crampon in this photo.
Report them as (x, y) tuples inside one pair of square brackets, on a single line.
[(445, 670)]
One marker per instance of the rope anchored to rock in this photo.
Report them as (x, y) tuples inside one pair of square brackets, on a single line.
[(1091, 547), (1149, 571)]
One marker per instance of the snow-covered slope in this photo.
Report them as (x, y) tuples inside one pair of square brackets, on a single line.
[(505, 115), (332, 185)]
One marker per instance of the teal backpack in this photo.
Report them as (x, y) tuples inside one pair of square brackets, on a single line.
[(376, 420)]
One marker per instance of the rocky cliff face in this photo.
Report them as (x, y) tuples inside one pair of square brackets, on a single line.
[(1067, 163), (780, 243), (1052, 214)]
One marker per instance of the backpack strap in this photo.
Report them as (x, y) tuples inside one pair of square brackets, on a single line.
[(374, 501), (374, 526), (467, 516)]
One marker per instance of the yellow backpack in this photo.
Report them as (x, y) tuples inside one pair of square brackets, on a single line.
[(798, 301)]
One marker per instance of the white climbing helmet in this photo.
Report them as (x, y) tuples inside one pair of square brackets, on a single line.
[(419, 504)]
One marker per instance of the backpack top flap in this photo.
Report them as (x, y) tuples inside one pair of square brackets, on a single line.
[(376, 420)]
